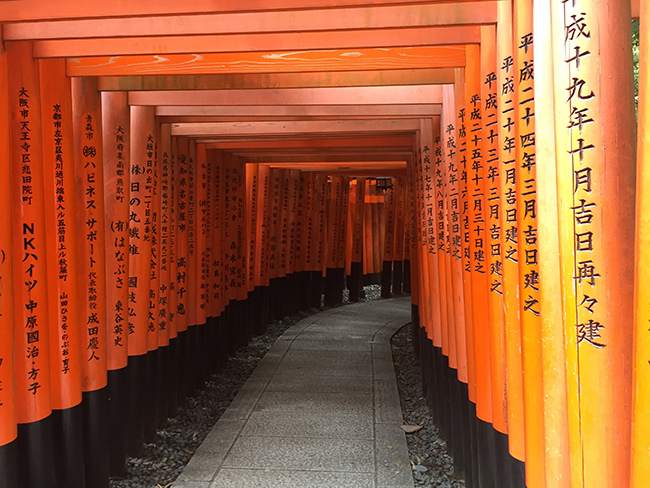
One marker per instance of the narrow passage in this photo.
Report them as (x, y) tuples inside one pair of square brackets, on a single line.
[(321, 410)]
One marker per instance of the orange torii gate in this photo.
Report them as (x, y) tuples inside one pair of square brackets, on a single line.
[(209, 153)]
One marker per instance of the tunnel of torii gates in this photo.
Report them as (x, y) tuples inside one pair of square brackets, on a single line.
[(178, 174)]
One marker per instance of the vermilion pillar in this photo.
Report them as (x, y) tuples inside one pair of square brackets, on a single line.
[(595, 179), (139, 282), (556, 430), (63, 289), (509, 231), (86, 106), (8, 428), (640, 457), (32, 391), (116, 137)]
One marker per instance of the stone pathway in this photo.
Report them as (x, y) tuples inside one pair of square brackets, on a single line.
[(321, 410)]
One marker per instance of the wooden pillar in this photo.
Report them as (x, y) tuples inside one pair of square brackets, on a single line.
[(86, 105), (556, 430), (63, 289), (32, 389), (640, 456), (595, 141), (8, 426), (509, 231)]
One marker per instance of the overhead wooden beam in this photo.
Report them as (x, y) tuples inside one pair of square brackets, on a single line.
[(432, 76), (381, 95), (304, 127), (75, 18), (358, 142), (343, 166), (252, 42), (307, 158), (270, 62), (300, 111)]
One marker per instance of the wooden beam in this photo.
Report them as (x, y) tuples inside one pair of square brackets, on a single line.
[(384, 95), (252, 42), (169, 17), (326, 158), (359, 142), (299, 111), (343, 166), (270, 62), (430, 76), (286, 128)]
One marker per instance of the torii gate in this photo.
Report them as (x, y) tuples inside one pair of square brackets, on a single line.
[(174, 166)]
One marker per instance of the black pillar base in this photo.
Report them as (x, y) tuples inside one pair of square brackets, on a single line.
[(316, 289), (398, 277), (354, 281), (134, 417), (9, 464), (118, 387), (68, 434), (305, 290), (95, 413), (150, 408), (406, 283), (35, 446), (386, 278)]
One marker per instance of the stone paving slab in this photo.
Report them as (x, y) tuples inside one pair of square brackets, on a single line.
[(320, 411)]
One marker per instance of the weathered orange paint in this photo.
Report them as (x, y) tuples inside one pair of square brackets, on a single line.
[(89, 193), (116, 136), (65, 319), (140, 235), (476, 173), (640, 455), (164, 234), (8, 429), (421, 76)]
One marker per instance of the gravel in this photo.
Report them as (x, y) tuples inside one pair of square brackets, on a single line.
[(165, 459), (431, 465)]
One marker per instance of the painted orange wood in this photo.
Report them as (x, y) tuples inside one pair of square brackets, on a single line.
[(420, 76), (202, 233), (166, 255), (292, 258), (181, 231), (640, 455), (489, 90), (192, 236), (528, 251), (61, 239), (318, 263), (117, 183), (89, 193), (222, 113), (265, 15), (476, 174), (506, 75), (173, 239), (255, 42), (437, 182), (452, 174), (153, 329), (32, 391), (218, 300), (594, 207), (140, 234), (8, 430), (462, 123), (370, 95), (556, 428), (266, 62)]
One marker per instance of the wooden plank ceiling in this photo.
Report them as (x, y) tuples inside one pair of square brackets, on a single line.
[(335, 86)]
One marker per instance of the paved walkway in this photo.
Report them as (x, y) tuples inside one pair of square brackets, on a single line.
[(320, 411)]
